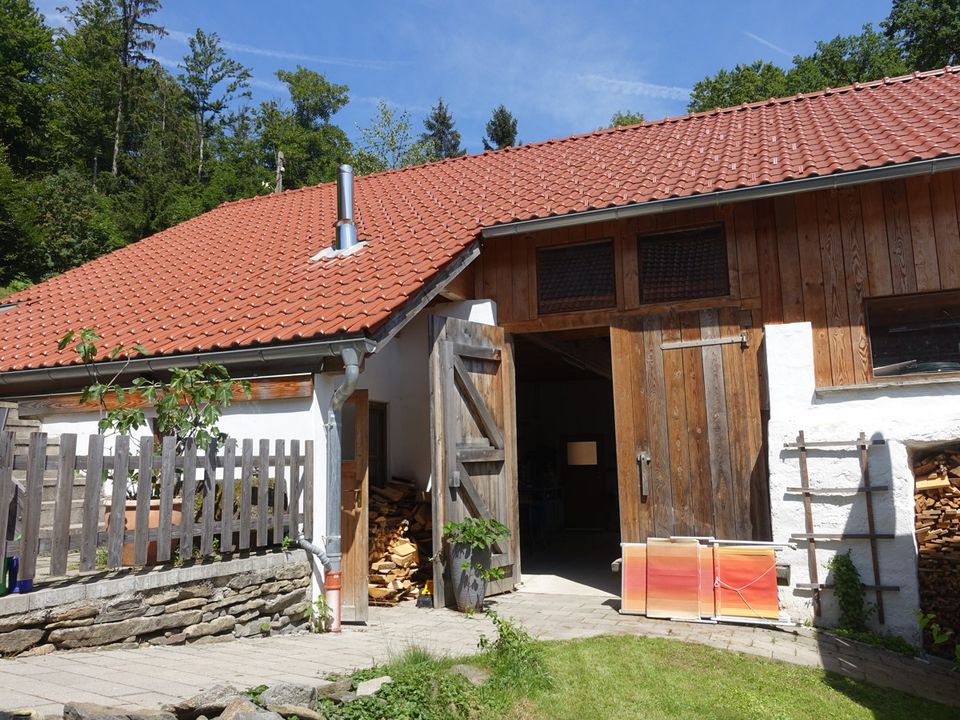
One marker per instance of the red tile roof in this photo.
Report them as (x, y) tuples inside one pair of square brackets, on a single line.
[(241, 275)]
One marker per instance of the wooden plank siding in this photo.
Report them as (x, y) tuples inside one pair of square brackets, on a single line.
[(812, 256)]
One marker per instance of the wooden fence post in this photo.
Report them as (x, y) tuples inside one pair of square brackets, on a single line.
[(118, 501), (63, 504), (7, 487), (91, 504), (33, 497)]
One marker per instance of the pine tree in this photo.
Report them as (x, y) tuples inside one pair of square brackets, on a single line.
[(501, 130), (441, 138), (212, 80)]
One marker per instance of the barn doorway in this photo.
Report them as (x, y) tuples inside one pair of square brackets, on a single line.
[(567, 462)]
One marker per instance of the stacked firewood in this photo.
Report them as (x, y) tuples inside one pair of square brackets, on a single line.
[(400, 527), (937, 502)]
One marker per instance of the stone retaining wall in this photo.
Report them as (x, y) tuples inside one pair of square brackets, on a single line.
[(267, 594)]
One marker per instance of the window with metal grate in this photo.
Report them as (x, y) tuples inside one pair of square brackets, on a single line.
[(683, 264), (918, 333), (576, 277)]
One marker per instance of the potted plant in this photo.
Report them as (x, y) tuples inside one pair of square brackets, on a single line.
[(470, 541)]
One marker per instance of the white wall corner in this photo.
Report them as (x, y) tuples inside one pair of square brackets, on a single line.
[(324, 386), (483, 311), (790, 371)]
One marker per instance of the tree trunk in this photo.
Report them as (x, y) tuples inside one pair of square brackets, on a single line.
[(116, 132)]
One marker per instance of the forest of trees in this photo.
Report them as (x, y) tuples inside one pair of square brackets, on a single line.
[(100, 145)]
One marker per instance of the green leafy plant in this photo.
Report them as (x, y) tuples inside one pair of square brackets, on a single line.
[(516, 657), (486, 574), (215, 547), (102, 558), (938, 635), (177, 558), (254, 693), (320, 615), (264, 627), (854, 611), (478, 533), (285, 543)]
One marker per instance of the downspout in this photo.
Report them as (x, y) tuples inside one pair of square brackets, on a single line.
[(351, 364)]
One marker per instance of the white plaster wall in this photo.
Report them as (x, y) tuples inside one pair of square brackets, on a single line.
[(399, 375), (904, 417)]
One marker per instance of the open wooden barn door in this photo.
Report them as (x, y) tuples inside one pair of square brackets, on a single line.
[(474, 466), (354, 506)]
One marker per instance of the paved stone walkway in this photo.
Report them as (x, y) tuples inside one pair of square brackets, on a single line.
[(149, 676)]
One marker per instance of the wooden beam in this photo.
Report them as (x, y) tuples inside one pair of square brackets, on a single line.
[(462, 286), (270, 388), (571, 354), (605, 318)]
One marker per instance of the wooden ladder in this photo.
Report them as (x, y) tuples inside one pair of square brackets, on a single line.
[(809, 495)]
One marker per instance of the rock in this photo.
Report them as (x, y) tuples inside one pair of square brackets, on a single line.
[(92, 711), (254, 577), (240, 705), (294, 711), (298, 611), (475, 675), (259, 715), (104, 633), (330, 689), (18, 621), (122, 609), (214, 627), (139, 714), (279, 623), (187, 604), (282, 602), (289, 694), (38, 650), (70, 623), (233, 599), (21, 714), (162, 598), (16, 641), (249, 629), (254, 604), (293, 571), (371, 686), (210, 702), (77, 612), (211, 639)]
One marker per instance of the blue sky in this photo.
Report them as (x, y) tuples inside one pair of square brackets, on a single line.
[(561, 67)]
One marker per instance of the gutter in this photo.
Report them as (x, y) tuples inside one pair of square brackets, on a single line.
[(721, 197), (264, 355)]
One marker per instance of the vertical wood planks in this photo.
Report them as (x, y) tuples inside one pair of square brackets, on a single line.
[(279, 490), (903, 272), (788, 257), (811, 270), (734, 359), (622, 349), (295, 501), (168, 459), (246, 493), (189, 494), (944, 210), (676, 406), (851, 231), (6, 488), (66, 462), (91, 504), (660, 469), (875, 239), (922, 233), (697, 442), (144, 486), (308, 482), (209, 496), (263, 494), (118, 501), (835, 289), (726, 216), (226, 511), (768, 262), (747, 251), (33, 497), (725, 509)]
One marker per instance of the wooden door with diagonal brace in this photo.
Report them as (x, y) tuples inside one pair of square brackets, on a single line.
[(474, 442)]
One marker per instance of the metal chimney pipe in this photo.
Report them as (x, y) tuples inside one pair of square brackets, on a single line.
[(346, 230)]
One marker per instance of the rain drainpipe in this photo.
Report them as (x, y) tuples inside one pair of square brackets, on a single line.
[(329, 553)]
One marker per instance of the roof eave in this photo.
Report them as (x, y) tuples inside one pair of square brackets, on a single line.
[(722, 197)]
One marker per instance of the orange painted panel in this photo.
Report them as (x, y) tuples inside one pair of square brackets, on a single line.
[(748, 582), (706, 582), (633, 576), (673, 579)]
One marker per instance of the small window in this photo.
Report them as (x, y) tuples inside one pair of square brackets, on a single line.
[(575, 277), (914, 333), (683, 265)]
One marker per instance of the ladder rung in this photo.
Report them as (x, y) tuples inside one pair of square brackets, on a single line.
[(834, 444), (829, 586), (832, 490), (842, 536)]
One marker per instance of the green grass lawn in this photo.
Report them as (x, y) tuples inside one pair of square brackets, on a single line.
[(628, 677), (624, 677)]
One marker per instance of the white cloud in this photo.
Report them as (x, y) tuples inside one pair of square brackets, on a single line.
[(634, 87), (362, 63), (764, 41)]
